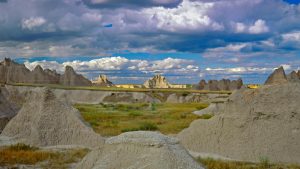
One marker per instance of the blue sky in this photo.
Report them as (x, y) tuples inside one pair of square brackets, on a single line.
[(185, 40)]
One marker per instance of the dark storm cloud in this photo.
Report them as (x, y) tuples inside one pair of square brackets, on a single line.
[(72, 27), (130, 3)]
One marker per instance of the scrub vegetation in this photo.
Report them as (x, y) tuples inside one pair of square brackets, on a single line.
[(114, 119), (21, 154)]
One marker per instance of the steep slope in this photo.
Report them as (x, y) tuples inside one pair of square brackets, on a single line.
[(46, 121), (277, 77), (7, 109), (71, 78), (260, 123)]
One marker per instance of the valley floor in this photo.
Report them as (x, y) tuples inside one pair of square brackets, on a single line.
[(114, 119)]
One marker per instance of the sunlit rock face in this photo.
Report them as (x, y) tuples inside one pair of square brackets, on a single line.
[(102, 80), (158, 81)]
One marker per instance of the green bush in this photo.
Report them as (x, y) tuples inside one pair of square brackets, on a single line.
[(148, 126), (206, 116), (145, 126), (264, 162), (202, 106)]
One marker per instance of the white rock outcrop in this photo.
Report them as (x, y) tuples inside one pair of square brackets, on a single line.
[(141, 149)]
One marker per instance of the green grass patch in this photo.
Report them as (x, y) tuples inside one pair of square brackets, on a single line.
[(210, 163), (206, 116), (113, 119)]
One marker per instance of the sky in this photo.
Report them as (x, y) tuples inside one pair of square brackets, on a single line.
[(131, 40)]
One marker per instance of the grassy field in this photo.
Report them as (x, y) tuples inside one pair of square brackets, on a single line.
[(264, 164), (113, 119), (21, 154), (98, 88)]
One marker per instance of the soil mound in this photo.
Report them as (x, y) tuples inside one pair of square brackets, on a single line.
[(255, 124), (46, 121), (136, 150)]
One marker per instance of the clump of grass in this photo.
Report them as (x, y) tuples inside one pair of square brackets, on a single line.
[(206, 116), (21, 146), (264, 162), (201, 106), (146, 126), (134, 114), (21, 154)]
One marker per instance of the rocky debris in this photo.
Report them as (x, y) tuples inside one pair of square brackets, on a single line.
[(46, 121), (218, 85), (7, 109), (12, 72), (277, 77), (102, 81), (254, 124), (158, 81), (140, 149)]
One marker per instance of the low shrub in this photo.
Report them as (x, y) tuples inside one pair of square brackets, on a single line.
[(21, 146), (206, 116), (148, 126)]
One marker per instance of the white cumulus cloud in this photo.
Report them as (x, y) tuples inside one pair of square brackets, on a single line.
[(33, 22)]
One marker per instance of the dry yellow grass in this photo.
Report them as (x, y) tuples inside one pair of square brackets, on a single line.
[(21, 154)]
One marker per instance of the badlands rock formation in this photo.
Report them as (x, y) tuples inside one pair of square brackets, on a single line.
[(277, 77), (294, 76), (71, 78), (12, 72), (224, 84), (158, 81), (38, 75), (255, 123), (45, 121), (102, 81), (19, 93), (136, 150), (7, 109)]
